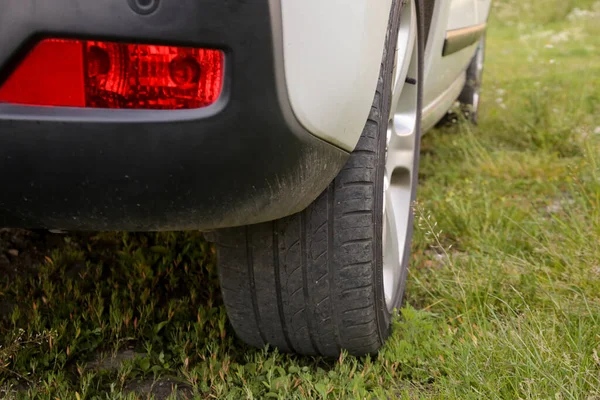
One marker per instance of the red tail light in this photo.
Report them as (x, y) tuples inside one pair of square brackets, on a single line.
[(77, 73)]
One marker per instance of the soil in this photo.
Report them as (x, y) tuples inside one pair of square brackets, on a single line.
[(22, 251)]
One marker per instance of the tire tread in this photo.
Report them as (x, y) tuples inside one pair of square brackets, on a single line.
[(318, 265)]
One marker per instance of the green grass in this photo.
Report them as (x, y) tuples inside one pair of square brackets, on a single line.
[(503, 298)]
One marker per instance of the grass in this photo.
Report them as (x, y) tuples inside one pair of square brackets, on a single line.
[(503, 298)]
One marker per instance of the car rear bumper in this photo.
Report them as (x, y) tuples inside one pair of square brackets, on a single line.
[(243, 160)]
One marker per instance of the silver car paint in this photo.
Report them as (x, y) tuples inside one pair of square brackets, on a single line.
[(332, 56), (332, 53)]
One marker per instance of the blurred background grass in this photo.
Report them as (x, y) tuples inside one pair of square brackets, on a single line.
[(503, 298)]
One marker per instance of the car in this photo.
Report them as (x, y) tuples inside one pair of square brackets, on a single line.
[(287, 130)]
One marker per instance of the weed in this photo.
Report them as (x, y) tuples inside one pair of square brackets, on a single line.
[(503, 299)]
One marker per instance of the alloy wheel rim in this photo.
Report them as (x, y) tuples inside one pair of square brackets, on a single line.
[(400, 155), (479, 58)]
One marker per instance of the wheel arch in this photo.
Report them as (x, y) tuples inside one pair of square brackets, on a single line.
[(331, 53)]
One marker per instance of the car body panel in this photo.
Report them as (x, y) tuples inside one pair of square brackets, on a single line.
[(464, 13), (260, 153), (243, 160), (483, 10), (442, 72), (332, 53), (461, 13)]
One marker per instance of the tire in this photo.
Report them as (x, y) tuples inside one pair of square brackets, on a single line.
[(469, 97), (312, 283)]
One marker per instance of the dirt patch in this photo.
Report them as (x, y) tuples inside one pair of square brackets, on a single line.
[(160, 389), (22, 251), (113, 362)]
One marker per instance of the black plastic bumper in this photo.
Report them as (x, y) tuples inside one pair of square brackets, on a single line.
[(243, 160)]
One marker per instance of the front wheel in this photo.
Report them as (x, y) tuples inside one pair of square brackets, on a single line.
[(469, 97), (328, 278)]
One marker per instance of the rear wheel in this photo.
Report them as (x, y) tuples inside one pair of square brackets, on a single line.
[(329, 277)]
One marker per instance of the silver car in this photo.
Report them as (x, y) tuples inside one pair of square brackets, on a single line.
[(288, 130)]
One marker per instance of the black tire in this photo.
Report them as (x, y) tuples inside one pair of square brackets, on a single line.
[(311, 283), (469, 97)]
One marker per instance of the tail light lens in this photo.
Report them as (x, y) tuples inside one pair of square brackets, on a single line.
[(81, 73)]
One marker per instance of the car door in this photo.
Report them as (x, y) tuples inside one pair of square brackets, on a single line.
[(445, 70)]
